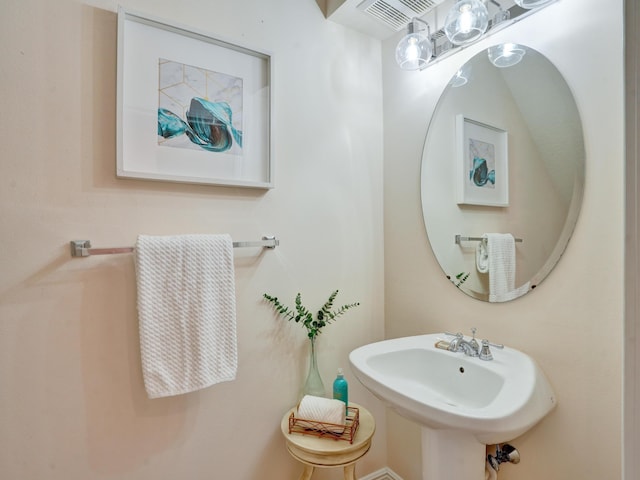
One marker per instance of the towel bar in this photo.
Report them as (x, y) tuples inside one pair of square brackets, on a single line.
[(82, 248), (460, 238)]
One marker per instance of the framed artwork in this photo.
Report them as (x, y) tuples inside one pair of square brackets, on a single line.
[(483, 167), (191, 108)]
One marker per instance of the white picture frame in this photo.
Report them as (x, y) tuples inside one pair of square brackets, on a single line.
[(221, 130), (482, 173)]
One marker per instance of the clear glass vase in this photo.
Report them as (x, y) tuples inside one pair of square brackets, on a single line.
[(313, 384)]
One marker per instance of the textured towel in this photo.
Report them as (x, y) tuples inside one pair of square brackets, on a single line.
[(501, 251), (513, 294), (187, 312), (324, 410)]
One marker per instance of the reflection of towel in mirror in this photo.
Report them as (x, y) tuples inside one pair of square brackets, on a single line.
[(501, 252), (482, 256)]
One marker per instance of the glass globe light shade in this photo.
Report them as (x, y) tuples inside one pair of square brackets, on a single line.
[(529, 4), (466, 22), (506, 54), (461, 77), (414, 51)]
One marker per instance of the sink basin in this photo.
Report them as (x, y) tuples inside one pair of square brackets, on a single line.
[(492, 401)]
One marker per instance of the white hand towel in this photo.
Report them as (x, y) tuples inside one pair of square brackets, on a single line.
[(513, 294), (187, 312), (501, 251)]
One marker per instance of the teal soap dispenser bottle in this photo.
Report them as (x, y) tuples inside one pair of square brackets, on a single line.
[(341, 389)]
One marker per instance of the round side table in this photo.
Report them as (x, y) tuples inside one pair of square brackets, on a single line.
[(326, 452)]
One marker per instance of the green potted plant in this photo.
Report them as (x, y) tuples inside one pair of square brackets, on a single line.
[(460, 279), (314, 325)]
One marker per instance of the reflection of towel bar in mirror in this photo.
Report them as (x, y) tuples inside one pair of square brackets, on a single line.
[(82, 248), (460, 238)]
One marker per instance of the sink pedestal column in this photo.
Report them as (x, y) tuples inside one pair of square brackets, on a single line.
[(452, 455)]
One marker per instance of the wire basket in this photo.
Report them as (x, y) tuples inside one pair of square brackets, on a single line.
[(335, 431)]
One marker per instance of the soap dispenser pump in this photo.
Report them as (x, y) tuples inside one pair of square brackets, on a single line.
[(341, 389)]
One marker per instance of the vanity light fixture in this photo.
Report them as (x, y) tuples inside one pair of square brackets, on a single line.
[(505, 54), (414, 50), (501, 16), (528, 4), (466, 22)]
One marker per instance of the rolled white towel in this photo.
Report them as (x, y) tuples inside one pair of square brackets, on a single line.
[(325, 410), (482, 256)]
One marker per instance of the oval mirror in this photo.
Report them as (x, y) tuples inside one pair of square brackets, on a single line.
[(504, 154)]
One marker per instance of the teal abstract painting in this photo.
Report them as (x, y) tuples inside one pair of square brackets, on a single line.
[(199, 109)]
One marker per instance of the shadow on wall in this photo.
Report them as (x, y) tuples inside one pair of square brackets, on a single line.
[(124, 427)]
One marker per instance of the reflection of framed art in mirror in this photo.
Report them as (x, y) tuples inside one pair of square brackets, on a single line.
[(483, 170)]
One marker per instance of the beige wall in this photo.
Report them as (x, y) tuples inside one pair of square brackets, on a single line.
[(72, 404), (572, 323)]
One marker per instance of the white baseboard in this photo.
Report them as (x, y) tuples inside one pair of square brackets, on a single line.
[(384, 474)]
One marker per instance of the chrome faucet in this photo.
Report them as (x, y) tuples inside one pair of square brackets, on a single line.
[(470, 347), (454, 345)]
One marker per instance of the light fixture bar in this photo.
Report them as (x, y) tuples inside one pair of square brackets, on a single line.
[(442, 47)]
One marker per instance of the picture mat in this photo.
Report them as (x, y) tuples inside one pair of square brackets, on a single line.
[(467, 192)]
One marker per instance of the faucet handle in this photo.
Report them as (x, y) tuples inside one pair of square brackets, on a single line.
[(473, 341), (457, 335), (485, 352), (461, 336)]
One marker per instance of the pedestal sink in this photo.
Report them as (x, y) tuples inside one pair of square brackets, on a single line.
[(462, 403)]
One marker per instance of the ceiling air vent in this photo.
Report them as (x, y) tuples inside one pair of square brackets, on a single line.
[(397, 13)]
